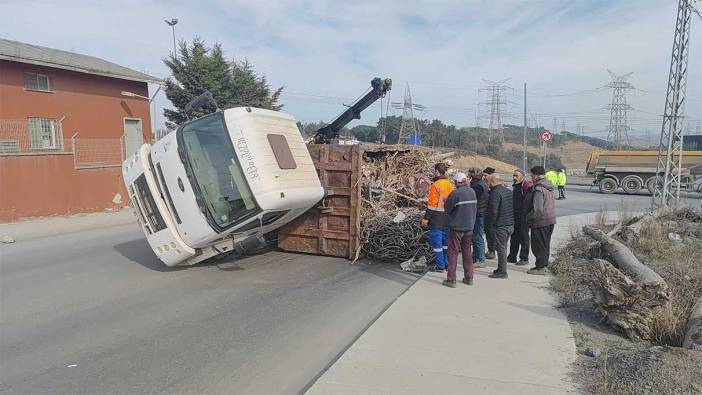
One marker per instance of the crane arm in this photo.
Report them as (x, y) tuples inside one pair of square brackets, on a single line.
[(379, 88)]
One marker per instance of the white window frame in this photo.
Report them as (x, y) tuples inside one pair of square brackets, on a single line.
[(45, 125), (38, 88)]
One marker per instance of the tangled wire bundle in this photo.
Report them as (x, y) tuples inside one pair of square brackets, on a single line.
[(387, 240)]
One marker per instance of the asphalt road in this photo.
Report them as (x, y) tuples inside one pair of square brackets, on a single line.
[(95, 312)]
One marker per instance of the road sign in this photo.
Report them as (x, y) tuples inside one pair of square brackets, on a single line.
[(546, 136)]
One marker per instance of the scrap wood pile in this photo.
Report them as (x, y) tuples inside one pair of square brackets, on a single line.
[(632, 296), (394, 186)]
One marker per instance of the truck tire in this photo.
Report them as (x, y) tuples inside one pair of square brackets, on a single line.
[(632, 184), (651, 185), (608, 185)]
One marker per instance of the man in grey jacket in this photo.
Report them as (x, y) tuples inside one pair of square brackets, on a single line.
[(540, 209), (461, 210), (500, 221)]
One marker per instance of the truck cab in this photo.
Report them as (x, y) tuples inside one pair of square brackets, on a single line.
[(219, 181)]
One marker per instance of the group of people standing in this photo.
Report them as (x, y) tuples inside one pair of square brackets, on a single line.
[(460, 211)]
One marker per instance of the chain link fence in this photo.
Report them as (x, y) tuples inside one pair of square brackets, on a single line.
[(43, 136), (32, 136), (97, 153)]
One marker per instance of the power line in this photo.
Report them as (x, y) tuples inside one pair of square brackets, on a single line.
[(495, 93), (408, 120), (618, 135)]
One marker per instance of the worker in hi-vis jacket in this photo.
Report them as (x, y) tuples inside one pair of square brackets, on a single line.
[(435, 217)]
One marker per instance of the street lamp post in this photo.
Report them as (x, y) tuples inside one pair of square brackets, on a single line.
[(172, 24)]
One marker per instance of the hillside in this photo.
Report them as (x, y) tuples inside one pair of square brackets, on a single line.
[(573, 154), (464, 162)]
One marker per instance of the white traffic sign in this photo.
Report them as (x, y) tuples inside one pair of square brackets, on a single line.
[(546, 136)]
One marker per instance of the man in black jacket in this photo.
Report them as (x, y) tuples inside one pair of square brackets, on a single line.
[(481, 192), (461, 208), (520, 237), (490, 254), (500, 221)]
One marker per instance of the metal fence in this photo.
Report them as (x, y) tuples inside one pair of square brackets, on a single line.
[(32, 136), (97, 153), (41, 136)]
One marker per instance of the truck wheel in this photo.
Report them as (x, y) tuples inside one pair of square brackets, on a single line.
[(608, 185), (632, 184), (651, 185)]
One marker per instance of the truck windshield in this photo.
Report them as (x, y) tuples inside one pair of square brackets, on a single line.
[(215, 168)]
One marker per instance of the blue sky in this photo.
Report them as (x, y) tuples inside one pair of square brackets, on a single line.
[(326, 52)]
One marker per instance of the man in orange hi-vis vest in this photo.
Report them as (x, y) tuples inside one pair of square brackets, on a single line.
[(435, 216)]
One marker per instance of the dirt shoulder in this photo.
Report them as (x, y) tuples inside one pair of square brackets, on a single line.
[(609, 363), (610, 359)]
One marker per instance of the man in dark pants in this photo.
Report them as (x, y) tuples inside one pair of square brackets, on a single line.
[(499, 221), (520, 237), (540, 208), (481, 192), (490, 254), (461, 209)]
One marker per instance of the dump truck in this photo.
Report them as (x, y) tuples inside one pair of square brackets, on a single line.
[(636, 170), (221, 181)]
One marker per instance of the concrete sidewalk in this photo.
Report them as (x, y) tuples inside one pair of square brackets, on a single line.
[(50, 226), (495, 337)]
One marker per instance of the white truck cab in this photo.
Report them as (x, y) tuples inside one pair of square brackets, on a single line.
[(219, 180)]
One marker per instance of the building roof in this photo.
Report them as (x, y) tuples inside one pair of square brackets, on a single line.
[(33, 54)]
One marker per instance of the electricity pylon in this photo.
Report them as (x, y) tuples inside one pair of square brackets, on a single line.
[(408, 127), (670, 149), (618, 132)]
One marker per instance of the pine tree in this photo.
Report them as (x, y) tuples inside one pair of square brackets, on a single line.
[(199, 68)]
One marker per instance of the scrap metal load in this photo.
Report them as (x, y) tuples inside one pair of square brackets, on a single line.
[(373, 205), (393, 187)]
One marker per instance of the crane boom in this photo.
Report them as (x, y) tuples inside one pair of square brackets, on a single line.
[(379, 88)]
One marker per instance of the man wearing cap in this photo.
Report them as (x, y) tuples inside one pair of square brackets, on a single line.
[(481, 192), (435, 217), (540, 211), (461, 209), (499, 221)]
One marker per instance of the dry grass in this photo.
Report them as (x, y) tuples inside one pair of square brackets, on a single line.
[(679, 263)]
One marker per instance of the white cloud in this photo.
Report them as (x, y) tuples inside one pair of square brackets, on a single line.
[(325, 53)]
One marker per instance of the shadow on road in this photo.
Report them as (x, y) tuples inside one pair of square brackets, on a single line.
[(139, 251)]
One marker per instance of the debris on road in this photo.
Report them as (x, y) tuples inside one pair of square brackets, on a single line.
[(415, 265)]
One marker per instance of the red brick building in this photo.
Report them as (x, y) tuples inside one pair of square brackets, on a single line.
[(66, 122)]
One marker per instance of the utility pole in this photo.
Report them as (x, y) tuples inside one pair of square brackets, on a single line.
[(671, 145), (618, 132), (495, 92), (172, 23), (525, 128)]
